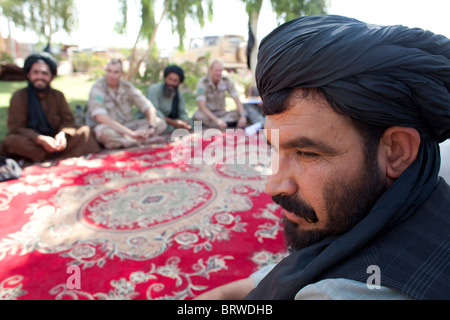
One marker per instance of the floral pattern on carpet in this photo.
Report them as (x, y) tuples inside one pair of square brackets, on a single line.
[(136, 225)]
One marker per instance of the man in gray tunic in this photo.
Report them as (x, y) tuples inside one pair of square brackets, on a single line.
[(168, 101)]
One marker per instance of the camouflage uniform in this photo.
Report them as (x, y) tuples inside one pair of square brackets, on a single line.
[(215, 100), (104, 100)]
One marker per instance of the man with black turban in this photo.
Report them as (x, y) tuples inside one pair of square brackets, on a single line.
[(360, 111), (168, 101), (41, 125)]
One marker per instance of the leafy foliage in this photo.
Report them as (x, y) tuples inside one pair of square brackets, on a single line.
[(44, 17), (176, 11), (287, 9)]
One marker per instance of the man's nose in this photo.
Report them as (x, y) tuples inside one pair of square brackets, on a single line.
[(39, 75), (282, 181)]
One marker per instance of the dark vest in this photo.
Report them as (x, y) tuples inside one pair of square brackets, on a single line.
[(414, 257)]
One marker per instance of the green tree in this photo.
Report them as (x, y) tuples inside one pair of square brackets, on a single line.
[(12, 10), (44, 17), (176, 11), (285, 10), (7, 10)]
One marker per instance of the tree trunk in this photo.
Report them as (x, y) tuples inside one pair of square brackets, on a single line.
[(132, 73), (133, 55), (2, 45), (49, 22), (254, 53), (12, 43)]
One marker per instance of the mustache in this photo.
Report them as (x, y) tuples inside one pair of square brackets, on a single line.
[(47, 86), (296, 206)]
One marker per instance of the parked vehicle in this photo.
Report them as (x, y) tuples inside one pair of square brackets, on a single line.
[(229, 49)]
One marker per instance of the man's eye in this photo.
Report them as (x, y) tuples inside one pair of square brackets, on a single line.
[(306, 154)]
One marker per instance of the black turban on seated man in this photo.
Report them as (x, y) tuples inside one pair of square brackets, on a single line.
[(36, 118), (383, 76), (41, 56)]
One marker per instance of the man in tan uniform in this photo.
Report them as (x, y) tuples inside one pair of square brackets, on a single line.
[(211, 94), (110, 112), (41, 125)]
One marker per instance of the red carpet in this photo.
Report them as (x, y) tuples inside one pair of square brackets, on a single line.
[(135, 225)]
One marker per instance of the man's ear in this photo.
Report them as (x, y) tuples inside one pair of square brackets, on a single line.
[(399, 147)]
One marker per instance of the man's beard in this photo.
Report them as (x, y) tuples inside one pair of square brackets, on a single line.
[(169, 91), (346, 205), (40, 89)]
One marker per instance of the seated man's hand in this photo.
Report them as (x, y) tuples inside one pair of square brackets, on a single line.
[(51, 145), (61, 141), (221, 124), (242, 123), (180, 124), (143, 134)]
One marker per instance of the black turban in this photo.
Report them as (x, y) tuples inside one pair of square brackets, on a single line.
[(174, 69), (386, 76), (36, 118), (44, 56)]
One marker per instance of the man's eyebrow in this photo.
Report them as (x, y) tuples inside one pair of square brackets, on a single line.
[(305, 142)]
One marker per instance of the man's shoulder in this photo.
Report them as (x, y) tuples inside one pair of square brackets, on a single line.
[(205, 80), (226, 82), (203, 85), (19, 97), (20, 93), (99, 85), (439, 198), (126, 84), (443, 184), (128, 87), (345, 289)]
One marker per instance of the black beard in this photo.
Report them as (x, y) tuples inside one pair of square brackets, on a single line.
[(39, 90), (346, 205), (169, 92)]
